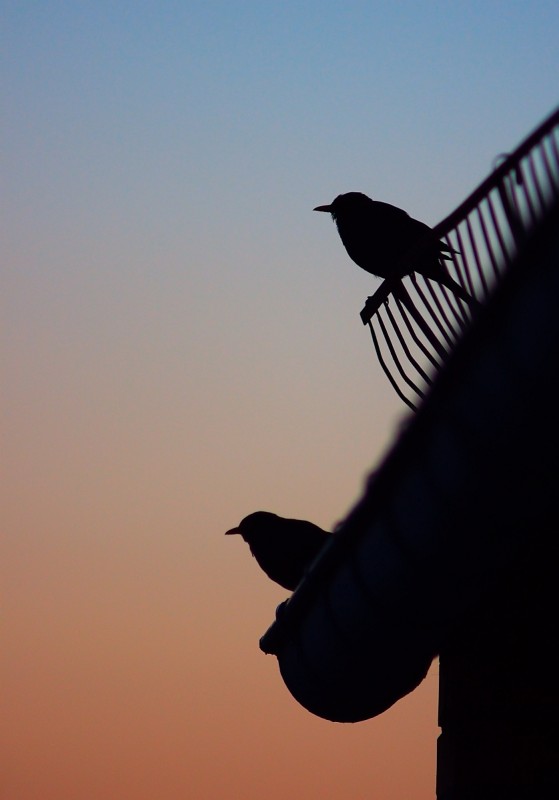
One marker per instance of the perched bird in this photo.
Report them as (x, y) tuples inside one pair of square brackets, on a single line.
[(377, 237), (284, 548)]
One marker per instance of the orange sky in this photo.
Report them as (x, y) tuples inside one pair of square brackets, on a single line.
[(131, 639), (131, 649)]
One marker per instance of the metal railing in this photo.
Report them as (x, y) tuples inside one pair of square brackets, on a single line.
[(415, 323)]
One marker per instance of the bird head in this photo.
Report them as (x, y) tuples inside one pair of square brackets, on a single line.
[(349, 203), (253, 526)]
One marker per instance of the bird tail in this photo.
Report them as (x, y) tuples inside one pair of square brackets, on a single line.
[(458, 290), (446, 252)]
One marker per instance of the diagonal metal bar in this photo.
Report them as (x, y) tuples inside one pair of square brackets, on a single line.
[(405, 348), (386, 371), (404, 313), (395, 358)]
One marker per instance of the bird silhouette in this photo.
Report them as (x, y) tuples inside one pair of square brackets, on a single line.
[(284, 548), (377, 236)]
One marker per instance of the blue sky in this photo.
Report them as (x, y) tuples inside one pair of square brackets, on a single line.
[(217, 101), (212, 129)]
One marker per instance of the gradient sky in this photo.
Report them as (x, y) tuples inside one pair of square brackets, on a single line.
[(182, 346)]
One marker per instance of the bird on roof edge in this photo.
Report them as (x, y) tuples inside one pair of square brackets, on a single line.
[(284, 548), (378, 235)]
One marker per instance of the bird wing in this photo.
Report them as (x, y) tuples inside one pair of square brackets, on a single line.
[(395, 223), (412, 230)]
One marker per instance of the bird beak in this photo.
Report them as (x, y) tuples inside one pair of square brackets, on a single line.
[(233, 530), (323, 208)]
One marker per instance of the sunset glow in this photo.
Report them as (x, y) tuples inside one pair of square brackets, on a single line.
[(182, 346)]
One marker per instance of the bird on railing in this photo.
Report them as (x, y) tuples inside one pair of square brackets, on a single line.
[(284, 548), (377, 236)]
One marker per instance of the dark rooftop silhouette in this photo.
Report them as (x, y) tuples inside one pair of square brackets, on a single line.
[(453, 548)]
